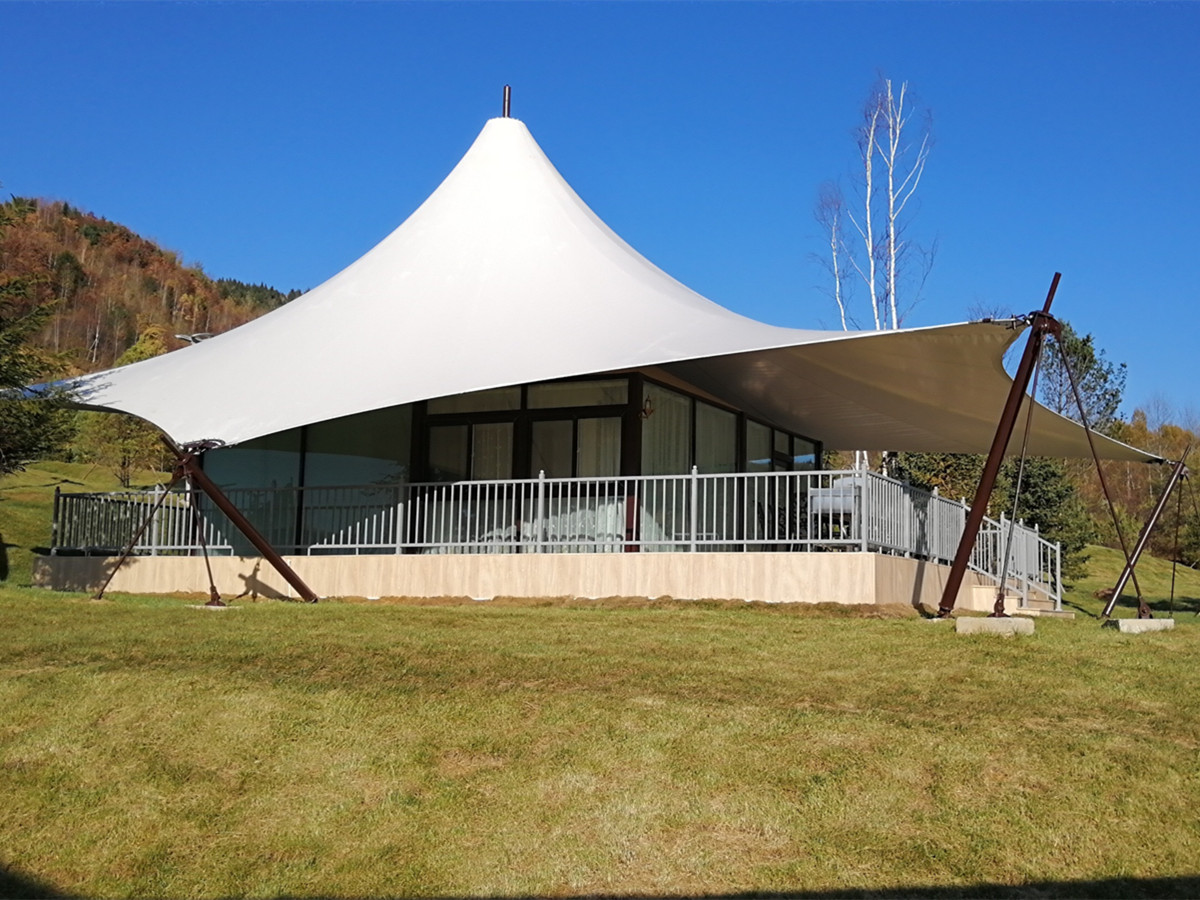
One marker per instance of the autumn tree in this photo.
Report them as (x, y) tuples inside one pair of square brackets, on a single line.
[(1136, 487), (122, 442), (29, 426), (1100, 383), (108, 283)]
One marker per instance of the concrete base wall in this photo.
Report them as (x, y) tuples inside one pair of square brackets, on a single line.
[(850, 578)]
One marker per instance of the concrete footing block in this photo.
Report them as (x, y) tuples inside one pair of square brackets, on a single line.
[(1140, 626), (988, 625)]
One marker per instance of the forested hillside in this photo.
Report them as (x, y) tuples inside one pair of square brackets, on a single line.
[(107, 285)]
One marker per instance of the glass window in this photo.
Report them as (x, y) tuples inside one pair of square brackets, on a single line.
[(758, 447), (579, 393), (448, 452), (478, 401), (804, 455), (491, 451), (369, 448), (271, 461), (783, 451), (267, 462), (599, 447), (551, 447), (716, 439), (666, 432)]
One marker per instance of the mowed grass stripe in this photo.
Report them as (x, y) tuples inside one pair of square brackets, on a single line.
[(353, 750)]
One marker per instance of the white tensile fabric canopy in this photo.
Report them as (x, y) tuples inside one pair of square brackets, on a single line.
[(504, 276)]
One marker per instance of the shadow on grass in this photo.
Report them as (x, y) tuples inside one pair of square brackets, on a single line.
[(16, 885), (1116, 888), (1180, 605), (1166, 607)]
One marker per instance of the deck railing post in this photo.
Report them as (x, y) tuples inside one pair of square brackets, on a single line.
[(1058, 591), (1001, 575), (540, 512), (863, 507), (400, 510), (1036, 565), (692, 511), (154, 522), (55, 533)]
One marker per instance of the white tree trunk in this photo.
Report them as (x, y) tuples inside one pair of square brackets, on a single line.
[(866, 229), (829, 213), (904, 167)]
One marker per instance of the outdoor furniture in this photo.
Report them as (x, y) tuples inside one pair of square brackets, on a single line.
[(833, 509)]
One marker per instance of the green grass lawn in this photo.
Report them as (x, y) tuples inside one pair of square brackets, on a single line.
[(365, 751), (27, 503), (368, 750), (1154, 575)]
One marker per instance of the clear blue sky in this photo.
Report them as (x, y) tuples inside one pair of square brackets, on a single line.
[(277, 142)]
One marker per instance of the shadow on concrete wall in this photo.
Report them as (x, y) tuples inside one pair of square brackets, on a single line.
[(78, 573), (254, 587)]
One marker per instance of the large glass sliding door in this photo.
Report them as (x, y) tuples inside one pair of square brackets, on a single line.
[(585, 512), (598, 443), (480, 452), (552, 446), (492, 451), (449, 452), (576, 448)]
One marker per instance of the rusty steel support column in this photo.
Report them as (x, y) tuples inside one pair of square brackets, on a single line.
[(187, 464), (1041, 324), (1180, 471)]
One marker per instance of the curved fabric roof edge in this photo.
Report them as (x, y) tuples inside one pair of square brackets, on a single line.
[(505, 276)]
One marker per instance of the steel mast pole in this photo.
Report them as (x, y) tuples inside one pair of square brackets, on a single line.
[(1180, 471), (187, 465), (1041, 324)]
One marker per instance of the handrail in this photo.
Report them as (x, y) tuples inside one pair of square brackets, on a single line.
[(760, 511)]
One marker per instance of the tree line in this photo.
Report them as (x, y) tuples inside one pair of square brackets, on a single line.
[(79, 293), (102, 285)]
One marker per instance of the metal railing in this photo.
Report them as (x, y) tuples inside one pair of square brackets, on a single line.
[(765, 511)]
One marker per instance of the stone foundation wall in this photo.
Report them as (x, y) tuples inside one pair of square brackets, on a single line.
[(850, 578)]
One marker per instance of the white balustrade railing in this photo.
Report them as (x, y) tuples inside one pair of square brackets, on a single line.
[(781, 511)]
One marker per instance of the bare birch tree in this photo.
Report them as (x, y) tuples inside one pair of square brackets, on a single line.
[(867, 142), (830, 213), (894, 139), (904, 162)]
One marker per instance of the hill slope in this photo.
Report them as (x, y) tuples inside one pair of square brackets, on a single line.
[(108, 284)]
